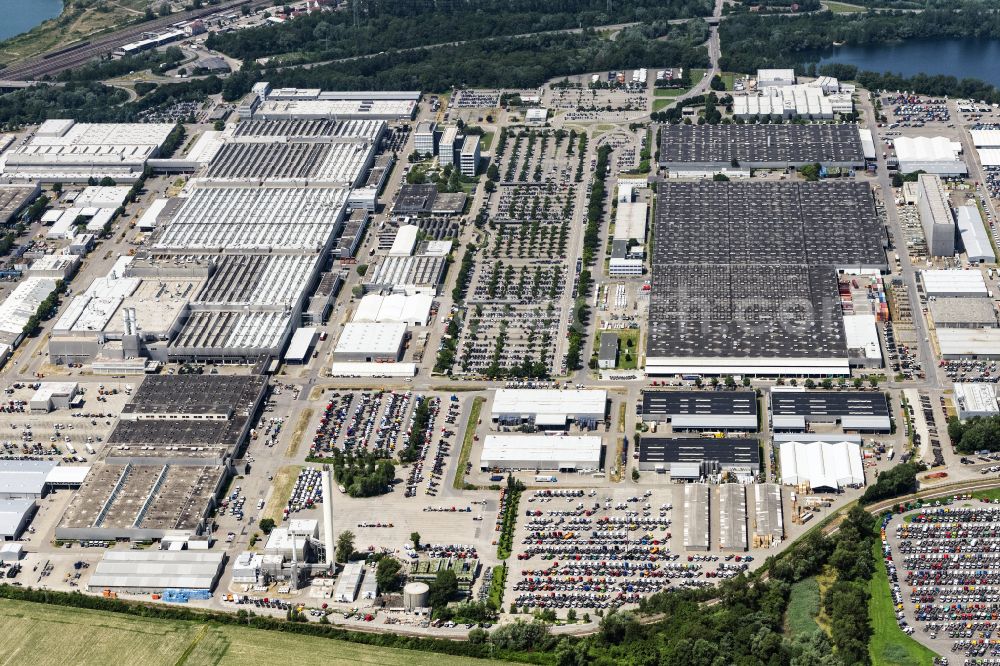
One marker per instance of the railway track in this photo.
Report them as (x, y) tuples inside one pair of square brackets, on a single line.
[(72, 55)]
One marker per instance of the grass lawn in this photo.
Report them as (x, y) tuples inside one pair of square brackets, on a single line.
[(729, 79), (623, 337), (843, 7), (486, 141), (662, 103), (669, 92), (803, 607), (889, 646), (51, 635), (470, 433), (284, 481)]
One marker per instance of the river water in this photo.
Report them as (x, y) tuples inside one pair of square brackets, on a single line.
[(17, 16), (962, 58)]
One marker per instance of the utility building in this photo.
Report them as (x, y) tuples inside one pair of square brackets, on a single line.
[(935, 216)]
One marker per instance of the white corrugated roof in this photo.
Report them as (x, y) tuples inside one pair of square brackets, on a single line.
[(821, 464), (861, 332), (927, 149), (549, 401), (974, 239), (954, 282), (302, 340), (578, 449), (358, 338)]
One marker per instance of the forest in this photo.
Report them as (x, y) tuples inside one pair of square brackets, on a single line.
[(384, 26)]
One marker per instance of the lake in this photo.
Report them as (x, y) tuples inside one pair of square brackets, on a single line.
[(962, 58), (23, 15)]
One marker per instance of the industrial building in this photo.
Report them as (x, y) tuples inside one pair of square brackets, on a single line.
[(696, 517), (265, 103), (748, 283), (795, 409), (549, 408), (24, 479), (630, 219), (795, 101), (954, 284), (974, 400), (19, 306), (54, 395), (153, 571), (821, 466), (937, 155), (304, 163), (14, 199), (167, 458), (394, 309), (702, 410), (562, 453), (709, 148), (301, 345), (15, 517), (694, 458), (975, 241), (368, 342), (349, 582), (769, 523), (536, 116), (969, 343), (935, 216), (64, 151), (142, 502), (962, 312), (864, 347), (733, 518), (769, 78)]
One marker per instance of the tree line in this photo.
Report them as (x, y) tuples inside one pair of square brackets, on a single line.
[(402, 25)]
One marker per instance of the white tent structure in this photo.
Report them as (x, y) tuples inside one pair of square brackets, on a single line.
[(823, 466)]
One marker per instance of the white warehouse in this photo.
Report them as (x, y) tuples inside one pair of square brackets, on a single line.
[(541, 452), (549, 408), (822, 466)]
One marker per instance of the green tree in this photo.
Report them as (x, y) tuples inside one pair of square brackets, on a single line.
[(442, 588), (345, 545), (266, 525), (415, 538), (387, 574)]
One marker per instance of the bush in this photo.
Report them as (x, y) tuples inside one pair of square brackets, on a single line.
[(895, 482)]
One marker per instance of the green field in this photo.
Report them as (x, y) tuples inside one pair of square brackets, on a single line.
[(889, 646), (42, 635), (470, 432), (486, 141), (803, 607)]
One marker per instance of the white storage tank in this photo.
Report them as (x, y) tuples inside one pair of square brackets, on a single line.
[(415, 595)]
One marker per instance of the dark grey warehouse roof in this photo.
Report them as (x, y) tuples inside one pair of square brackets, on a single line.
[(750, 267), (726, 451), (749, 145), (818, 403), (196, 394), (717, 403), (415, 198)]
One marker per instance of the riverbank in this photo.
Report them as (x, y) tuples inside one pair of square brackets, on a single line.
[(72, 25)]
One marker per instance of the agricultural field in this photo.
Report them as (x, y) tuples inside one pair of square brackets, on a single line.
[(42, 635)]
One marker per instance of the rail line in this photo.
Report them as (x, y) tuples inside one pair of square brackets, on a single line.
[(55, 61)]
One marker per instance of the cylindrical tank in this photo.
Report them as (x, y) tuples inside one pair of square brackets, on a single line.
[(415, 595)]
